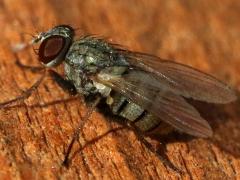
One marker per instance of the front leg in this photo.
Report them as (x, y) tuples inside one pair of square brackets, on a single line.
[(66, 85), (34, 69)]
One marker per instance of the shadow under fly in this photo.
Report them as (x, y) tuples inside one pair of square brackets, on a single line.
[(145, 90)]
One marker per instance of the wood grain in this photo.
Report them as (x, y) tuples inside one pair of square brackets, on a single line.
[(33, 136)]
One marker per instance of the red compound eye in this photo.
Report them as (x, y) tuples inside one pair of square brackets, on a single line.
[(50, 48)]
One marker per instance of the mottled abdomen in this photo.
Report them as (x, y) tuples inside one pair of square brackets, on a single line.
[(145, 121)]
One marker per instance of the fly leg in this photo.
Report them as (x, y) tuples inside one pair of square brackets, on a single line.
[(34, 69), (78, 130), (66, 85), (142, 139), (27, 93), (96, 139)]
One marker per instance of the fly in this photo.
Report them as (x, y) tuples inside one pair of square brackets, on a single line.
[(144, 89)]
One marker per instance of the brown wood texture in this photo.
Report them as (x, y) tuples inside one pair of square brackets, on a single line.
[(33, 136)]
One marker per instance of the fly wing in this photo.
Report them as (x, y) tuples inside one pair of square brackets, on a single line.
[(181, 79), (146, 91)]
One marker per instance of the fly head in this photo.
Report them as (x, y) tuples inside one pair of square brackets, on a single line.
[(54, 45)]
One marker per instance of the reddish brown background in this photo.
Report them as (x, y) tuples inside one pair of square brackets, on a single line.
[(201, 33)]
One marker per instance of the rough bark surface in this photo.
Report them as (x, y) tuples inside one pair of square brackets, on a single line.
[(33, 136)]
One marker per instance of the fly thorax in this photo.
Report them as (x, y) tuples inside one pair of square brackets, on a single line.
[(88, 56), (81, 81)]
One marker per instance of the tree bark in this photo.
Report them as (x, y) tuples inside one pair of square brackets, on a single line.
[(34, 134)]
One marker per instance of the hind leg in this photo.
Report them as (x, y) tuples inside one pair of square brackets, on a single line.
[(159, 154)]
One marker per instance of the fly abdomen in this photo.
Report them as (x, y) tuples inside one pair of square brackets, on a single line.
[(144, 120)]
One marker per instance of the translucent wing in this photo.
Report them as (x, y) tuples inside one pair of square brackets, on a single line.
[(181, 79), (145, 90)]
